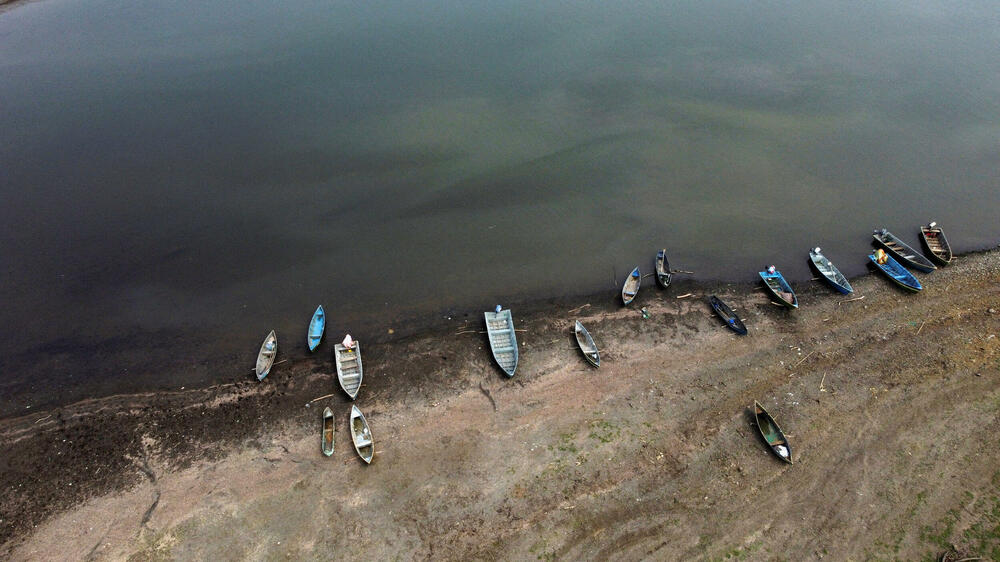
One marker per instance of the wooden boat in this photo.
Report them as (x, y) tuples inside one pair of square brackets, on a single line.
[(897, 273), (631, 286), (934, 239), (662, 269), (780, 288), (906, 255), (727, 314), (362, 435), (316, 327), (349, 368), (771, 433), (503, 341), (587, 345), (265, 359), (326, 442), (829, 272)]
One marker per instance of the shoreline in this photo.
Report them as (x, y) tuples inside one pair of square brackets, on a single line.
[(112, 442), (28, 395)]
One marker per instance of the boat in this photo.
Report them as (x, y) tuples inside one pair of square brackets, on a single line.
[(587, 345), (906, 255), (503, 341), (780, 288), (829, 272), (362, 436), (934, 239), (772, 433), (897, 273), (265, 359), (631, 286), (662, 269), (326, 443), (316, 327), (349, 368), (727, 314)]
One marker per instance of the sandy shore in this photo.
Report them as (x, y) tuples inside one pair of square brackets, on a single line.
[(891, 404)]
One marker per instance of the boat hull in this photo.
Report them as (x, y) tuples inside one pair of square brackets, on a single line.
[(936, 243), (829, 273), (350, 371), (780, 288), (326, 437), (316, 328), (265, 358), (503, 340), (897, 273), (631, 287), (903, 253), (732, 321), (662, 265), (361, 434), (587, 345), (771, 433)]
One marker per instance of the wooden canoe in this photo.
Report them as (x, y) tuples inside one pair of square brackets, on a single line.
[(897, 273), (316, 327), (349, 368), (662, 268), (780, 288), (905, 254), (503, 340), (771, 433), (326, 441), (587, 345), (631, 286), (727, 314), (936, 243), (829, 272), (362, 435), (265, 359)]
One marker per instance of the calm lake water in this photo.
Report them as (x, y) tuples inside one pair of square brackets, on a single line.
[(178, 178)]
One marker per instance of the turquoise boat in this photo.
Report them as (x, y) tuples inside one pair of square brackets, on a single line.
[(779, 287), (897, 273), (316, 327)]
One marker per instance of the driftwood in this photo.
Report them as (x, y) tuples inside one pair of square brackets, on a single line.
[(851, 300), (685, 295), (579, 308), (803, 359), (322, 397), (921, 327)]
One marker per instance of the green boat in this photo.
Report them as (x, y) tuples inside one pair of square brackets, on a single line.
[(771, 433)]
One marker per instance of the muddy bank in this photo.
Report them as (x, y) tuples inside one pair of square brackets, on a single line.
[(891, 403)]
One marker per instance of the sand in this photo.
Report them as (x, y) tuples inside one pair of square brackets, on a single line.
[(890, 403)]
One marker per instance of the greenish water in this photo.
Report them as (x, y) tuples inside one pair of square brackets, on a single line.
[(179, 178)]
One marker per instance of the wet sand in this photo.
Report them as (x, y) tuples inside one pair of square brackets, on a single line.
[(890, 403)]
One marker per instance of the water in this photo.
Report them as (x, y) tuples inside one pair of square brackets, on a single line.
[(179, 178)]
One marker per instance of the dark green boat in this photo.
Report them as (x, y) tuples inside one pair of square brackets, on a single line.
[(771, 433)]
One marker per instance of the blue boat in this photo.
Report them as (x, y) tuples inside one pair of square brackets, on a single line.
[(897, 273), (830, 273), (316, 327), (779, 287)]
